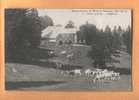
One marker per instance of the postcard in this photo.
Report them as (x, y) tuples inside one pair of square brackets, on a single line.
[(69, 50)]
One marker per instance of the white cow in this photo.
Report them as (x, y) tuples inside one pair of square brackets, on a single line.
[(75, 72), (106, 75), (63, 52), (87, 72), (51, 52), (115, 76)]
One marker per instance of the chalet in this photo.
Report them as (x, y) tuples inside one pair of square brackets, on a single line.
[(59, 34)]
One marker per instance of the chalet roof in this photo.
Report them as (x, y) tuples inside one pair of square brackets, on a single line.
[(54, 31)]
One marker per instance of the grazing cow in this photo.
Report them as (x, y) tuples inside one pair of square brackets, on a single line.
[(111, 75), (64, 72), (115, 76), (75, 72), (105, 71), (87, 72), (51, 52), (63, 52), (98, 77), (101, 75), (108, 76)]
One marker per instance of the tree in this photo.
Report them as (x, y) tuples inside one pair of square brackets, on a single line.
[(80, 37), (46, 21), (117, 39), (127, 39), (23, 31), (88, 33), (97, 52), (13, 19), (119, 30), (102, 51)]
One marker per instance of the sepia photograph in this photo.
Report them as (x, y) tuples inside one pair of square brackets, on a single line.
[(68, 49)]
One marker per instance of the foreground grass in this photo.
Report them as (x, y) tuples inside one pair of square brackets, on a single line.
[(30, 77)]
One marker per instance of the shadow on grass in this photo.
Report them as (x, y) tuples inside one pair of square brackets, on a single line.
[(32, 57), (124, 71), (39, 57), (120, 70), (20, 85)]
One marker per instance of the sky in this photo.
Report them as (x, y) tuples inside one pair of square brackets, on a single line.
[(100, 17)]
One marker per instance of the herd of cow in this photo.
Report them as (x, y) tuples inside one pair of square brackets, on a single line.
[(95, 75)]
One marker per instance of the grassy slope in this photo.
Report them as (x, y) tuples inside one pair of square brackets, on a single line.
[(35, 73)]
